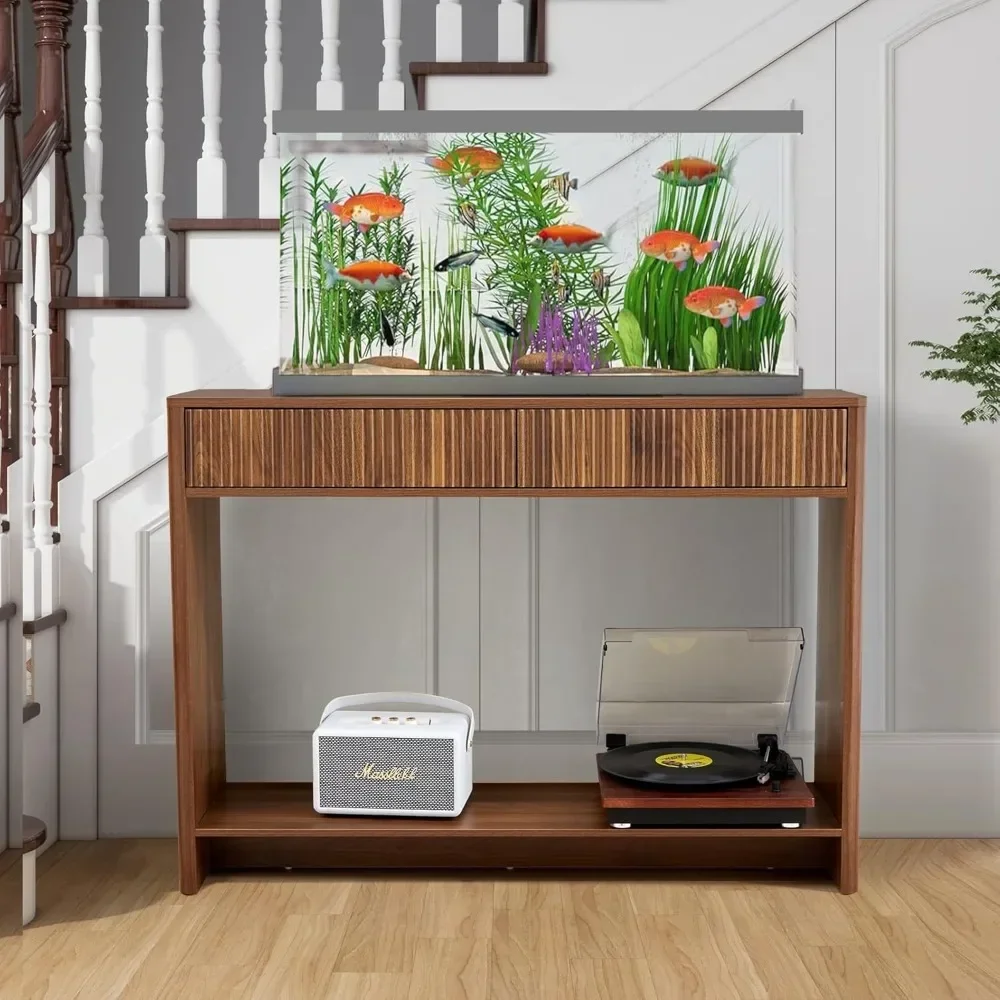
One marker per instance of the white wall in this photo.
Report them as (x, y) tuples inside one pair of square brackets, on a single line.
[(501, 602)]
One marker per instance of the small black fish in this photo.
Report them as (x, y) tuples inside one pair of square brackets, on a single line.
[(467, 214), (387, 335), (601, 281), (562, 184), (464, 258), (496, 325)]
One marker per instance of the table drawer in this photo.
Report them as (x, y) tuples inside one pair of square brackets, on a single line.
[(298, 447), (675, 448)]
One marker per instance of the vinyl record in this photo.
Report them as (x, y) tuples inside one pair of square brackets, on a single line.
[(681, 765)]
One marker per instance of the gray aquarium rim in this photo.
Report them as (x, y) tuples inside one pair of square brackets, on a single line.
[(535, 386), (547, 121)]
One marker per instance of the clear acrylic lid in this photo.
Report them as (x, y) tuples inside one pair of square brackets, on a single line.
[(722, 685)]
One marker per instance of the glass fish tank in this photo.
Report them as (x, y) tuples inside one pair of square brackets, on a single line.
[(536, 253)]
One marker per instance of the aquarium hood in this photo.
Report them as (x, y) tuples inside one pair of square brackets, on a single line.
[(362, 125)]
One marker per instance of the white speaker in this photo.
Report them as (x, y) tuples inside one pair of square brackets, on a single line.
[(372, 757)]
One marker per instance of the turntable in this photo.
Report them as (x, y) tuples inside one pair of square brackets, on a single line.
[(693, 722)]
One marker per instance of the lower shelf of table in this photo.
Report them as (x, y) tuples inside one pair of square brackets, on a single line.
[(532, 826)]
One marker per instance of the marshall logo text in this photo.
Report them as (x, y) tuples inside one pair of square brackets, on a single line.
[(389, 774)]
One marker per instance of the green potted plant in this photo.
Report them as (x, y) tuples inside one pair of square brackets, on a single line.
[(975, 356)]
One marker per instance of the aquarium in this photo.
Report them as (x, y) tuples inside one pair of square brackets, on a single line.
[(565, 261)]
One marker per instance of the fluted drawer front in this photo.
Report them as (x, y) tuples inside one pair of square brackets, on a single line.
[(340, 448), (734, 448)]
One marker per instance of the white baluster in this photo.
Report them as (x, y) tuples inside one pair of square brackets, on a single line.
[(269, 174), (92, 247), (330, 88), (211, 165), (29, 590), (43, 227), (449, 31), (510, 31), (391, 94), (153, 258)]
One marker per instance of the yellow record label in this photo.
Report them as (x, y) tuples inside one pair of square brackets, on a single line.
[(683, 760)]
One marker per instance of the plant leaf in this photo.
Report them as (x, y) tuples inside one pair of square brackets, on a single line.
[(629, 339), (710, 348)]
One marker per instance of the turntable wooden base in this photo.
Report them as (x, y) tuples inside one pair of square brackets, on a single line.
[(742, 806)]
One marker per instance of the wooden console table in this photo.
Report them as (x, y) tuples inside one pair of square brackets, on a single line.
[(250, 443)]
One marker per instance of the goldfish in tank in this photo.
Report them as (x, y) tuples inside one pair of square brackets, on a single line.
[(368, 275), (677, 247), (466, 162), (567, 238), (367, 210), (691, 171), (722, 303)]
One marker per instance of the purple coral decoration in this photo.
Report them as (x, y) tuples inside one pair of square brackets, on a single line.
[(576, 351)]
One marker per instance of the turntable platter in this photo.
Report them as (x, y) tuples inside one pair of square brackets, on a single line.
[(681, 765)]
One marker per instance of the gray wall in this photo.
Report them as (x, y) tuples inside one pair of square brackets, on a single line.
[(123, 94)]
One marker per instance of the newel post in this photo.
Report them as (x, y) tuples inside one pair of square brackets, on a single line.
[(50, 131), (10, 239)]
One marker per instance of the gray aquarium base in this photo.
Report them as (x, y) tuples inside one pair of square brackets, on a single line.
[(556, 386)]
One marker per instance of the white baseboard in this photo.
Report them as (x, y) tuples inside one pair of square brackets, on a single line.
[(930, 785), (913, 785)]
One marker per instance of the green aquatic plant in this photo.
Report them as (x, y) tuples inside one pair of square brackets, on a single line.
[(746, 261), (626, 336), (706, 348), (503, 211), (975, 356), (339, 324), (450, 337)]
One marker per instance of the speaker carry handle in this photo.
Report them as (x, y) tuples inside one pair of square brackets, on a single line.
[(406, 698)]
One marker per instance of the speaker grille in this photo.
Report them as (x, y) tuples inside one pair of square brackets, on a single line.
[(342, 757)]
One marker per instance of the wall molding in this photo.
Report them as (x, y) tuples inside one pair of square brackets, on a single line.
[(887, 291), (80, 496), (143, 540), (431, 604), (698, 85)]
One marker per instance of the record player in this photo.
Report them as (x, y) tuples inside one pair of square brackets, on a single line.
[(693, 722)]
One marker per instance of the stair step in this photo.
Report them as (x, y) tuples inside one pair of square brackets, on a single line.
[(419, 71), (43, 624), (121, 302), (33, 833), (223, 225)]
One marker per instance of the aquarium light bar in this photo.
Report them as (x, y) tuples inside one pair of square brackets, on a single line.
[(375, 123)]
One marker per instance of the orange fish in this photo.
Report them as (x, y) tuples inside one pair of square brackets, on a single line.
[(677, 247), (466, 162), (366, 210), (721, 303), (567, 239), (691, 171), (368, 275)]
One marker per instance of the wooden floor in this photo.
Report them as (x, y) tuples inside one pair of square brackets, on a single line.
[(925, 925)]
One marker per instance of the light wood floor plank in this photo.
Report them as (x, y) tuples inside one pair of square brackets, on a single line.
[(111, 925)]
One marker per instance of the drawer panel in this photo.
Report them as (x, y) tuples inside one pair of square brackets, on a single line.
[(676, 448), (303, 448)]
